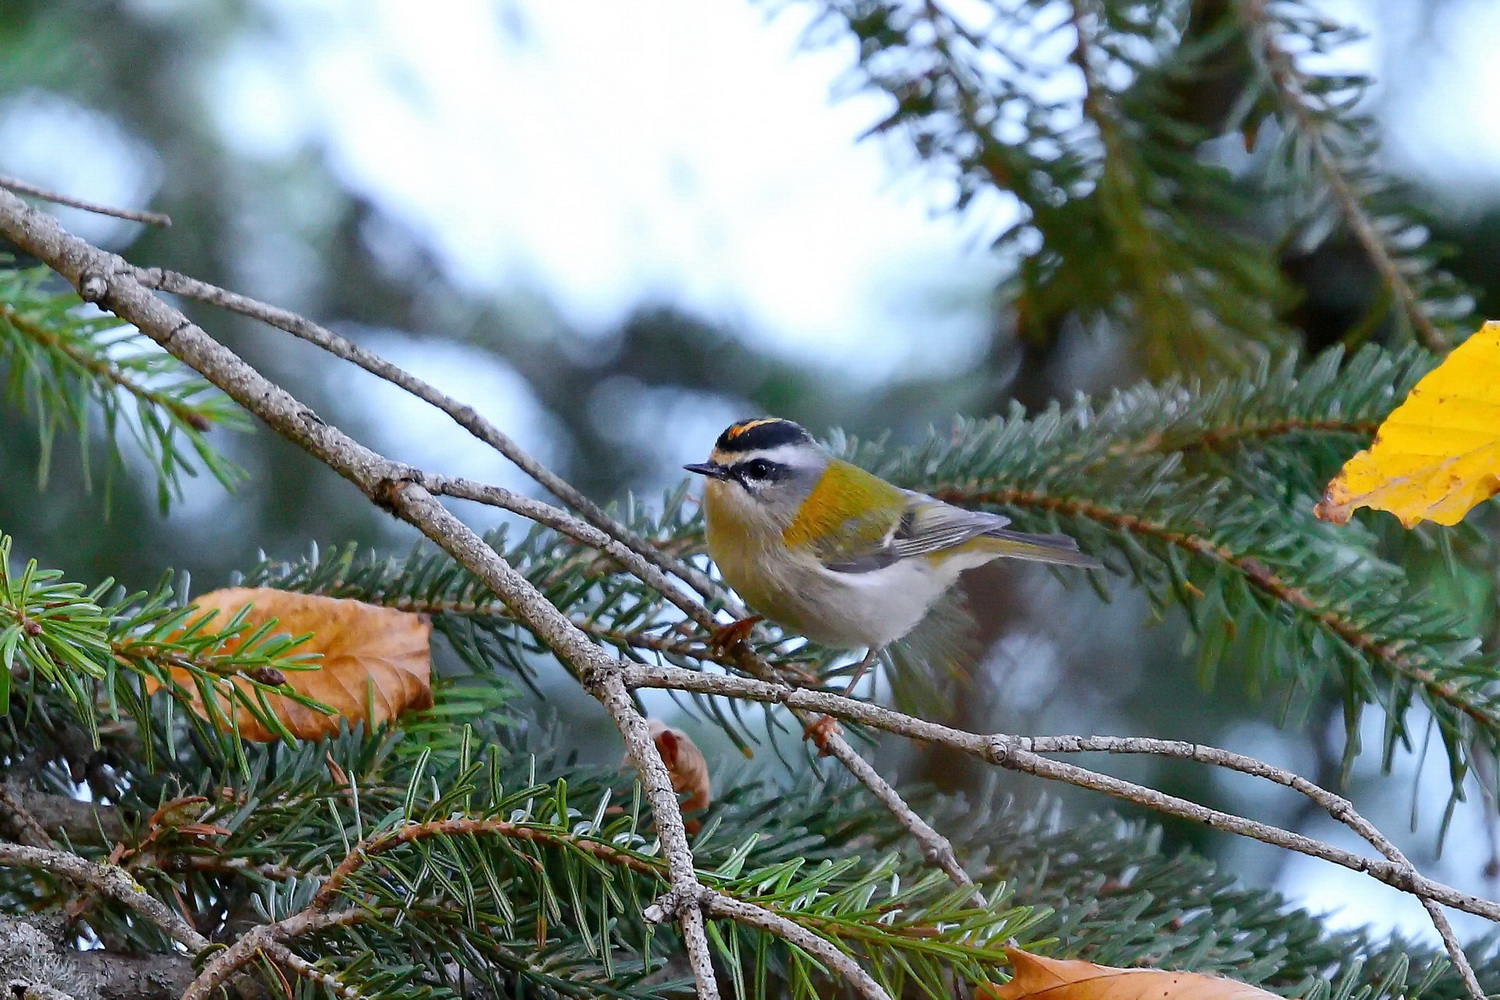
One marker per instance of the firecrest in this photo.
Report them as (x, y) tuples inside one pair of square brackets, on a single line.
[(835, 553)]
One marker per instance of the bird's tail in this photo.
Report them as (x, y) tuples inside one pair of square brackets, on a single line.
[(1058, 549)]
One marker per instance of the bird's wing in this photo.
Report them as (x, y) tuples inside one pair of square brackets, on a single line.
[(928, 526), (921, 526), (933, 526)]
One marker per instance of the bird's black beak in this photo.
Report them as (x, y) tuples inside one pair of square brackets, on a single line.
[(711, 469)]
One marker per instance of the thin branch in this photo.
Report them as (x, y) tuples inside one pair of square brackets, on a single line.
[(610, 690), (936, 848), (379, 844), (262, 939), (133, 215), (1340, 808), (1015, 753), (564, 523), (282, 955), (1215, 438), (750, 915), (109, 880)]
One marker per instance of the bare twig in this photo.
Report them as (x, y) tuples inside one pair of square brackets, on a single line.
[(282, 955), (1016, 753), (22, 187), (262, 939), (109, 880), (936, 848), (1336, 805), (561, 521), (686, 889), (757, 916)]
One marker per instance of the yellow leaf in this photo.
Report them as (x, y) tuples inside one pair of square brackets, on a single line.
[(1438, 453), (1056, 979), (365, 649)]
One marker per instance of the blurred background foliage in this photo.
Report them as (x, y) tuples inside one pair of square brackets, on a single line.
[(133, 86)]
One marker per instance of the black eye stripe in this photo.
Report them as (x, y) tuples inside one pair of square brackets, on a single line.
[(757, 470)]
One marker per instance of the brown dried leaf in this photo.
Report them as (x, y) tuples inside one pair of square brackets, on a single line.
[(685, 763), (1057, 979), (364, 649)]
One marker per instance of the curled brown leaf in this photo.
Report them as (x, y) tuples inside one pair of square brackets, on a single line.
[(374, 663)]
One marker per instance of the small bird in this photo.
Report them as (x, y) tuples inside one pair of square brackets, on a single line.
[(837, 554)]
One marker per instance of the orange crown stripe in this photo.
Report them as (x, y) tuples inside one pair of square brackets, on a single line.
[(749, 425)]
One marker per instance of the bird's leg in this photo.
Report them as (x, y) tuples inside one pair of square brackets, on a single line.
[(820, 729), (860, 668), (726, 638), (736, 632)]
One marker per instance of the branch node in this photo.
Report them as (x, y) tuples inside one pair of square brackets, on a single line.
[(93, 287), (670, 904)]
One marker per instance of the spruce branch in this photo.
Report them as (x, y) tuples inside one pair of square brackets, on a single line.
[(1323, 129), (1114, 201), (282, 955), (933, 929), (62, 361), (1463, 697)]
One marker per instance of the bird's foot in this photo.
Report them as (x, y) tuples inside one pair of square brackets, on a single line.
[(725, 639), (820, 731)]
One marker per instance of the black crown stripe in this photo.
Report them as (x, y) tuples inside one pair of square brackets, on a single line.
[(763, 432)]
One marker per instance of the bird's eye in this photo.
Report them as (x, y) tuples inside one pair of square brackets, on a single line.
[(757, 468)]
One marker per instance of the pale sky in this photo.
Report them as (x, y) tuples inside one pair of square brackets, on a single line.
[(680, 151)]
